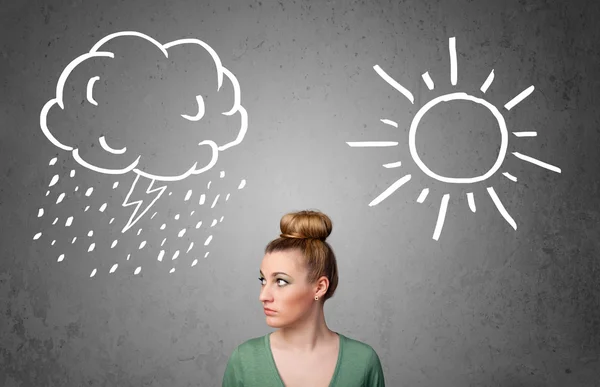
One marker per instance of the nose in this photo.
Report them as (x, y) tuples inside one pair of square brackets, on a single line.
[(264, 295)]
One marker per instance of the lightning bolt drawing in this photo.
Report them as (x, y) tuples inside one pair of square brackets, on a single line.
[(133, 219)]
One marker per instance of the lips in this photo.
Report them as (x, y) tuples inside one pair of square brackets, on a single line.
[(268, 310)]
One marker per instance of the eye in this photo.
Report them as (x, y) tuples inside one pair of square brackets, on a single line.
[(200, 114), (261, 279)]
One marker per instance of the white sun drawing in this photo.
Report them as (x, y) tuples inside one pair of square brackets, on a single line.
[(415, 156)]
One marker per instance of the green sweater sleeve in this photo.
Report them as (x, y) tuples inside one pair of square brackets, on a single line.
[(232, 377), (374, 373)]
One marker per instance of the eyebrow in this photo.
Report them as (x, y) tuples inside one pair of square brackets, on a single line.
[(274, 274)]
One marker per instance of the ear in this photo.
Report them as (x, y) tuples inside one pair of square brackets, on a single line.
[(322, 286)]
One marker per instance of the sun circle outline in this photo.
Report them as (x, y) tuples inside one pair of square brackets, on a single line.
[(451, 97)]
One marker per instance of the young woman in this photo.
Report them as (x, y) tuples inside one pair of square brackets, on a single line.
[(298, 274)]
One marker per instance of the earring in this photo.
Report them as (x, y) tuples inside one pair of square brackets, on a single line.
[(316, 298)]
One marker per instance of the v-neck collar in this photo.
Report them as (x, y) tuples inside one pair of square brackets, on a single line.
[(274, 366)]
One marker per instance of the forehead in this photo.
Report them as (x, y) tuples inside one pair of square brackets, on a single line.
[(288, 261)]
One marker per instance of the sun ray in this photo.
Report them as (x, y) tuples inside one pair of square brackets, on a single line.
[(428, 80), (394, 84), (537, 162), (471, 201), (522, 95), (393, 165), (441, 217), (452, 46), (509, 176), (525, 134), (488, 81), (399, 183), (359, 144), (389, 122), (423, 195), (501, 208)]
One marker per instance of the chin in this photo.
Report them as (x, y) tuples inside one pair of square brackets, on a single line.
[(274, 324)]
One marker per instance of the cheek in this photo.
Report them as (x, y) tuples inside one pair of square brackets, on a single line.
[(297, 302)]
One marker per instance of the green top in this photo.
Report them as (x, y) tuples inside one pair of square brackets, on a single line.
[(252, 365)]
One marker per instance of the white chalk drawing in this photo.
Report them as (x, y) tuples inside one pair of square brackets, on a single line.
[(90, 246), (423, 167), (154, 183)]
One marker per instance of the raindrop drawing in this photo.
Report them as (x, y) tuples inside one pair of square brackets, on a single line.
[(152, 183), (453, 180)]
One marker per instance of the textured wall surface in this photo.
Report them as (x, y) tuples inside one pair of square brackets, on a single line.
[(483, 305)]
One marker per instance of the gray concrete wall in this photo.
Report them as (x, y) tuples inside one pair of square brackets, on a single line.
[(483, 305)]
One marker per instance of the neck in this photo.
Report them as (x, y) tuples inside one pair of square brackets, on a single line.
[(305, 335)]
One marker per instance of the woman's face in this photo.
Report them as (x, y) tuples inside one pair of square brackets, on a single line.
[(284, 288)]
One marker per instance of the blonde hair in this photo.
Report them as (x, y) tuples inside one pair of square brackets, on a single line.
[(307, 231)]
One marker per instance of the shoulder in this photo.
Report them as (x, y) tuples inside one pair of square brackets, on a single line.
[(358, 348), (252, 345), (249, 348), (364, 358), (246, 364)]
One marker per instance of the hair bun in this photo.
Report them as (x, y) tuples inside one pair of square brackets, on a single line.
[(305, 225)]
